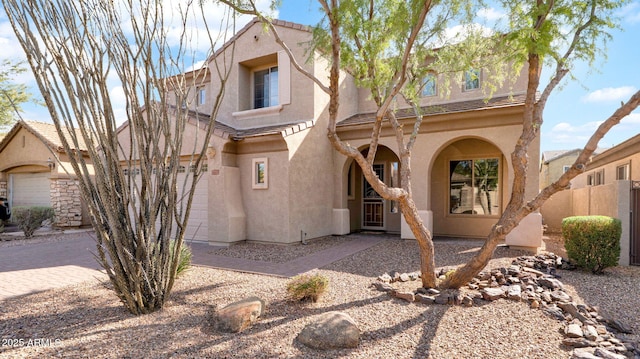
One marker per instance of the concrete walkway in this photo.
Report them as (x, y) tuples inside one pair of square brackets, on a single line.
[(288, 269), (36, 267)]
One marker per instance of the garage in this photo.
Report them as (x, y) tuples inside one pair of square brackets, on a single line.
[(29, 189), (197, 228)]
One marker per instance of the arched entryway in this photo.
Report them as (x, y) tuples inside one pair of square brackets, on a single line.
[(468, 186), (367, 210)]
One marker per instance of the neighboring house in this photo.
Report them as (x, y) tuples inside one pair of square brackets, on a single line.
[(609, 186), (554, 163), (273, 176), (34, 171)]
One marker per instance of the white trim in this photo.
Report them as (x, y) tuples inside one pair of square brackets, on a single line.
[(254, 173), (258, 112)]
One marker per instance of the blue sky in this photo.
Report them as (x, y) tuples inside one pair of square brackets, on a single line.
[(572, 113)]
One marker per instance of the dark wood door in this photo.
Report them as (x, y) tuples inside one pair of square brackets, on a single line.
[(635, 223)]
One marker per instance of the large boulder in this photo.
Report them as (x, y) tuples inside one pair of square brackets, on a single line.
[(238, 316), (331, 330)]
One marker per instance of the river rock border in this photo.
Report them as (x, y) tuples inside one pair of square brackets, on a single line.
[(532, 280)]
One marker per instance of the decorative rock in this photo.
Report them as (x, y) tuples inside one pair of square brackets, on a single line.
[(414, 275), (578, 342), (582, 354), (550, 283), (601, 329), (572, 309), (514, 292), (238, 316), (554, 312), (395, 275), (560, 296), (331, 330), (473, 286), (545, 296), (383, 287), (433, 291), (404, 277), (385, 278), (590, 332), (467, 301), (573, 331), (492, 294), (424, 299), (604, 353), (408, 296), (535, 304), (442, 299)]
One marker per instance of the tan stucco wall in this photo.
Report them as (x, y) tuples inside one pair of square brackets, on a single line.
[(555, 209), (255, 49), (25, 149)]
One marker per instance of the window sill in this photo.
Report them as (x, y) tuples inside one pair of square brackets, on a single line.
[(258, 112)]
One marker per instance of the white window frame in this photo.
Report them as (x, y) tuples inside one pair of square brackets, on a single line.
[(625, 167), (255, 173), (599, 177), (430, 77), (201, 92), (478, 74), (277, 87)]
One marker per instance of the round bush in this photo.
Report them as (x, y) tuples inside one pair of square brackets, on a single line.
[(592, 242)]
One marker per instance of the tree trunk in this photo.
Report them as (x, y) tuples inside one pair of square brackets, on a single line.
[(424, 239)]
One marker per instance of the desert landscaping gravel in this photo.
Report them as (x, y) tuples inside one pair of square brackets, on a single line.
[(88, 321)]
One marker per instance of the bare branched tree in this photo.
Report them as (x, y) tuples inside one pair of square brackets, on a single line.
[(138, 204)]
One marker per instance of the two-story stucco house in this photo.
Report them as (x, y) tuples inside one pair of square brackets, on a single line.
[(272, 175)]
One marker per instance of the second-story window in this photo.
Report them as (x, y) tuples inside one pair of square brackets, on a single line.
[(265, 93), (202, 95), (471, 79), (429, 85)]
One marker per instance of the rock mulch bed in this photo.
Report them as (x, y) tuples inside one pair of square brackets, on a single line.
[(532, 280)]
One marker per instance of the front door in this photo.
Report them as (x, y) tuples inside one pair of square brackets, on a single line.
[(372, 202)]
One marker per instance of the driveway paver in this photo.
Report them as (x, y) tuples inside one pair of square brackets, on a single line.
[(35, 267)]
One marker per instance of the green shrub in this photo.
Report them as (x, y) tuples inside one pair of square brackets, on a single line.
[(184, 262), (307, 287), (592, 242), (28, 219)]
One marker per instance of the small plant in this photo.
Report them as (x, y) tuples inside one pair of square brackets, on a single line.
[(184, 262), (592, 242), (306, 287), (28, 219)]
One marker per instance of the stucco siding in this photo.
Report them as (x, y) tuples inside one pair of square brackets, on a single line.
[(267, 210)]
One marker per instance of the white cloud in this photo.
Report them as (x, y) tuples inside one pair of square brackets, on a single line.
[(632, 119), (631, 13), (610, 94), (458, 33), (565, 127), (491, 14)]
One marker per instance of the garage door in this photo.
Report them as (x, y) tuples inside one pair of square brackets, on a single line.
[(29, 189), (197, 228)]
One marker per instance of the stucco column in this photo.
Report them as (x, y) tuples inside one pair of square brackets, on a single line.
[(427, 219), (227, 219)]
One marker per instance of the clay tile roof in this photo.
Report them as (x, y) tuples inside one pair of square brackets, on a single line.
[(452, 107)]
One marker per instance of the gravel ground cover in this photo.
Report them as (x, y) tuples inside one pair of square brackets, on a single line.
[(88, 321), (270, 253)]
